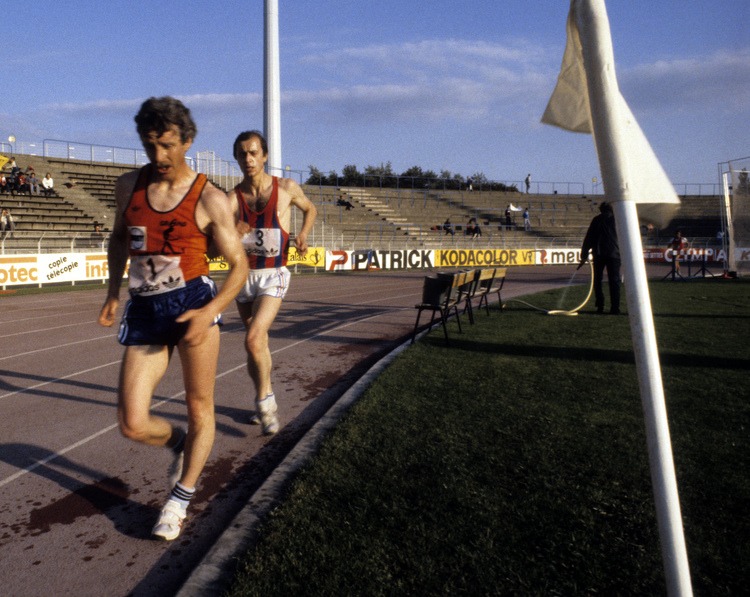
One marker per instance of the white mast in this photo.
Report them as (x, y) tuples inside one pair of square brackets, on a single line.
[(272, 87)]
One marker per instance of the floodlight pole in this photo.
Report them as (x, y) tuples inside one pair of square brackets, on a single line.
[(272, 87)]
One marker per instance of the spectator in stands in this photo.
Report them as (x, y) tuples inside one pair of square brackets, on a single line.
[(448, 227), (526, 219), (14, 169), (22, 186), (48, 185), (344, 203), (508, 221), (528, 182), (7, 223), (97, 236), (12, 184), (33, 183), (678, 244), (3, 184), (472, 228), (601, 240)]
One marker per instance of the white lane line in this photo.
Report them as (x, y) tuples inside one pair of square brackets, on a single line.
[(51, 457), (51, 381), (38, 350), (57, 314), (45, 330)]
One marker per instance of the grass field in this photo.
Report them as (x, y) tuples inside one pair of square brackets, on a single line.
[(514, 462)]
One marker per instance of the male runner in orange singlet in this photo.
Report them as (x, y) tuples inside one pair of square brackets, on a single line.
[(165, 216), (263, 207)]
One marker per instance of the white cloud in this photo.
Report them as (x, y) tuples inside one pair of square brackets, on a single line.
[(219, 101), (716, 82), (96, 106), (430, 61), (429, 80)]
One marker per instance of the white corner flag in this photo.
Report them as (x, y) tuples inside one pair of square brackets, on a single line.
[(587, 99)]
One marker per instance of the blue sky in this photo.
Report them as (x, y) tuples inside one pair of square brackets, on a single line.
[(444, 85)]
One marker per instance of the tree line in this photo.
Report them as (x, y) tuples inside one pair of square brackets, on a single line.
[(415, 177)]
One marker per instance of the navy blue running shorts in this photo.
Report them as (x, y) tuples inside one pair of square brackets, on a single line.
[(150, 320)]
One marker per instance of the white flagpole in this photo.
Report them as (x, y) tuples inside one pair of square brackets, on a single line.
[(604, 101), (272, 87)]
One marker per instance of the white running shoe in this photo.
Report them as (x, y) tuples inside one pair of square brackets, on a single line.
[(266, 410), (170, 521)]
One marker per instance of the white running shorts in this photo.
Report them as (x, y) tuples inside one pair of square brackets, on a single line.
[(273, 282)]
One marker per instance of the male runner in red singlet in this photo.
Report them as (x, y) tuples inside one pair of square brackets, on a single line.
[(165, 216), (263, 208)]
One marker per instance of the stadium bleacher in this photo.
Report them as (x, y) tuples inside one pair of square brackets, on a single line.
[(381, 217)]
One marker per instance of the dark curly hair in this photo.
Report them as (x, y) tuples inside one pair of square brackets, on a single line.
[(159, 114)]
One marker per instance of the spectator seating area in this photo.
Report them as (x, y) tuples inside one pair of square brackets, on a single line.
[(383, 218), (414, 218)]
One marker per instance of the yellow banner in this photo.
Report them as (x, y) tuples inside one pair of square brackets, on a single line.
[(315, 257), (484, 258), (3, 161)]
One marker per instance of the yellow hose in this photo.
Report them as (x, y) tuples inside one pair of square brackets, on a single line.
[(575, 311)]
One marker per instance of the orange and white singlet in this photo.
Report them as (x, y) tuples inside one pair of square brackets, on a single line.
[(167, 249)]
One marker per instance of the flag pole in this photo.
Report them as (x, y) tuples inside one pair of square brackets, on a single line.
[(604, 100)]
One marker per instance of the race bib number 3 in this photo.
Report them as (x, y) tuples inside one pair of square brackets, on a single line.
[(263, 242)]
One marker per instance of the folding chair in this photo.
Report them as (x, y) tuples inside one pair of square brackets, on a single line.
[(490, 281), (442, 295)]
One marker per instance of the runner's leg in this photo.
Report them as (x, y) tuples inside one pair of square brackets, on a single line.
[(141, 370), (258, 317), (199, 374)]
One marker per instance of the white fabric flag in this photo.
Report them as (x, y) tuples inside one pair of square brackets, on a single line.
[(570, 108)]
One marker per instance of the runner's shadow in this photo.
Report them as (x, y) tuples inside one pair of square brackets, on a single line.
[(10, 382), (109, 496)]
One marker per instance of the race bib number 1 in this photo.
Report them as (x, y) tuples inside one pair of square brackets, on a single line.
[(154, 274)]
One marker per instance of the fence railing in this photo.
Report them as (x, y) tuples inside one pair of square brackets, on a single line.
[(227, 172), (53, 242)]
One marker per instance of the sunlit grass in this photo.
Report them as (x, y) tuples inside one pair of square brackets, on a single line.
[(515, 461)]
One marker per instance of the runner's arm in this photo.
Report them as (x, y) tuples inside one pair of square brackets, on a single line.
[(309, 211), (216, 211), (117, 251)]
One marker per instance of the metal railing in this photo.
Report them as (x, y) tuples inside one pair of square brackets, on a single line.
[(223, 172), (226, 172), (52, 242)]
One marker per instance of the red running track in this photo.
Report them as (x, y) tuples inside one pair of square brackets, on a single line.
[(78, 500)]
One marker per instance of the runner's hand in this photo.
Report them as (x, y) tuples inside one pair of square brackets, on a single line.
[(107, 314), (199, 321)]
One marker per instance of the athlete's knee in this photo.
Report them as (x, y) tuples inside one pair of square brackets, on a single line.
[(132, 430), (200, 412), (256, 343)]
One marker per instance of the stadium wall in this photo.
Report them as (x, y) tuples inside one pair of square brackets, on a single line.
[(71, 268)]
